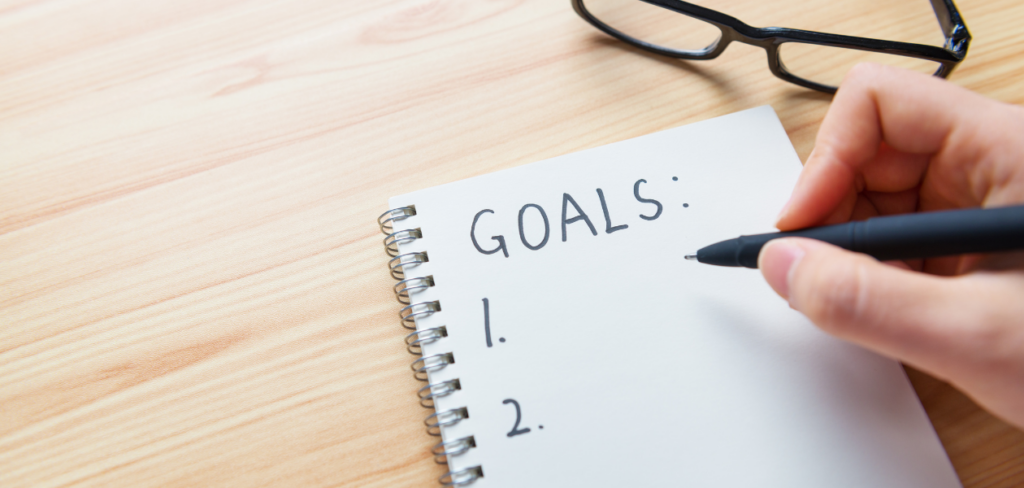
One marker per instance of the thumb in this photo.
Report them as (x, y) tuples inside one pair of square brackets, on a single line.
[(920, 319)]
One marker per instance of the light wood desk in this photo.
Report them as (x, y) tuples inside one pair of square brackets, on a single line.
[(192, 286)]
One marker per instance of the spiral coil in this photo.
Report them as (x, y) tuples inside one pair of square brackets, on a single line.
[(415, 340), (399, 266)]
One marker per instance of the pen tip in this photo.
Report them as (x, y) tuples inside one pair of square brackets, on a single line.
[(690, 257)]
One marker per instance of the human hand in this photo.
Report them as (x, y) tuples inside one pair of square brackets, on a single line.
[(896, 142)]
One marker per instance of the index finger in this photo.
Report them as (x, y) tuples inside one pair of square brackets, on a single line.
[(923, 121)]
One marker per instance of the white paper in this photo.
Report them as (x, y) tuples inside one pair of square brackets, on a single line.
[(645, 369)]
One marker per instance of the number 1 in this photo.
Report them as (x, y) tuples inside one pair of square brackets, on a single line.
[(487, 323)]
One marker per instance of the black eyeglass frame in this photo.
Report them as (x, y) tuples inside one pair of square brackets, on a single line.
[(772, 38)]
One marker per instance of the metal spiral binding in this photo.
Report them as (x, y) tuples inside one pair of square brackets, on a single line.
[(405, 288), (462, 477), (426, 336), (399, 265), (428, 393), (428, 364), (387, 220), (444, 450), (410, 313), (393, 239), (444, 419)]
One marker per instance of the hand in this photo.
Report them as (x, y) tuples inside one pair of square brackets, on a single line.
[(897, 142)]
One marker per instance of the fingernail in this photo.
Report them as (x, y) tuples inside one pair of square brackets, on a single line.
[(777, 261)]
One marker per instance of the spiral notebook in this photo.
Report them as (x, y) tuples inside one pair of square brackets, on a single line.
[(562, 340)]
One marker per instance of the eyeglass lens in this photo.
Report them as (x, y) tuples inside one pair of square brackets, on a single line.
[(828, 65), (654, 25), (677, 32)]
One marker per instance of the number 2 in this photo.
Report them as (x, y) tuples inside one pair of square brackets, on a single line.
[(519, 416)]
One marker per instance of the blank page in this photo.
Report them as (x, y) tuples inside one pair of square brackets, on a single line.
[(630, 366)]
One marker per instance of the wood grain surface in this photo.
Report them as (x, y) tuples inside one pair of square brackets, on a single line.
[(193, 289)]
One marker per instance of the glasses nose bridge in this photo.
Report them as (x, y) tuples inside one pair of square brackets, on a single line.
[(745, 34)]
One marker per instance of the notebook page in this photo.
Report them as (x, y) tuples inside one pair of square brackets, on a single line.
[(630, 366)]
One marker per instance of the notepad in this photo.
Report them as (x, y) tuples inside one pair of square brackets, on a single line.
[(562, 340)]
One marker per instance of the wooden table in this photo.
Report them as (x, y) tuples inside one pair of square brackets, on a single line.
[(193, 284)]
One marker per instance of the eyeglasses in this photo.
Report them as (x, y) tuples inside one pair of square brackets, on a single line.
[(815, 60)]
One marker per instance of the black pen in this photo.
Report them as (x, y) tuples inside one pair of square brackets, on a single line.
[(906, 236)]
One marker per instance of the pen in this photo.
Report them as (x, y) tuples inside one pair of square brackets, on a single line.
[(906, 236)]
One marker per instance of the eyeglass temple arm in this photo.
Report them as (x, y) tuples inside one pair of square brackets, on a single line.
[(953, 27)]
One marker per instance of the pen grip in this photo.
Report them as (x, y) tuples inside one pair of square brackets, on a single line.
[(908, 236), (932, 234)]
